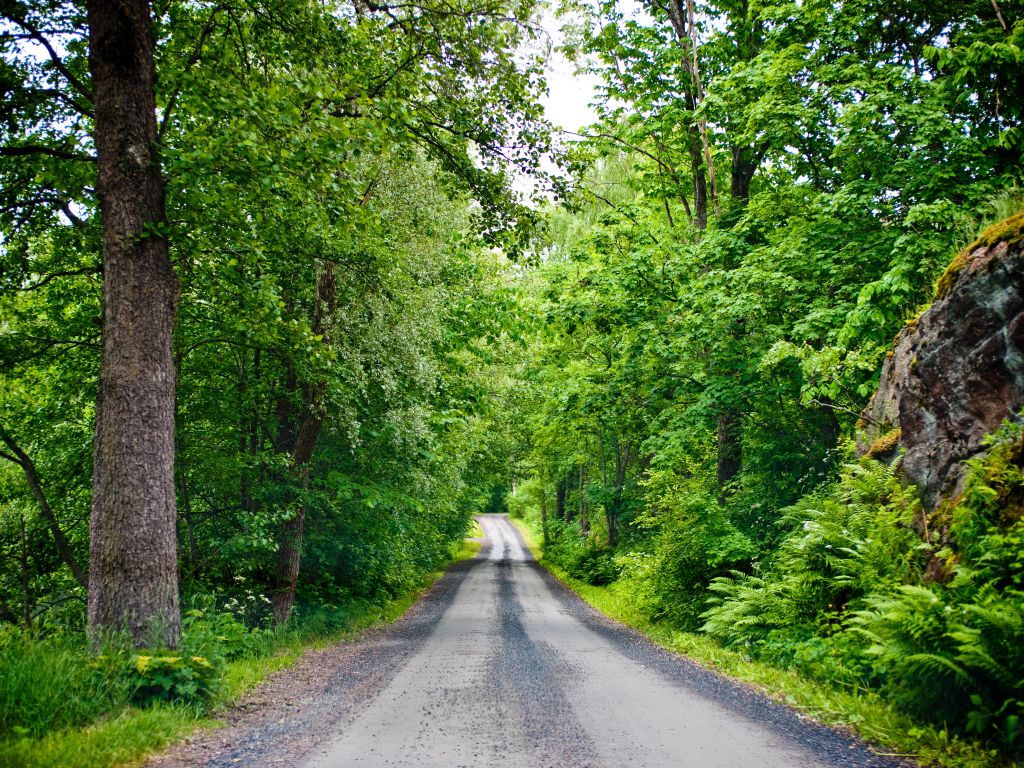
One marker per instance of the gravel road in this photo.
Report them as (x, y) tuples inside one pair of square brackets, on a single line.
[(499, 664), (519, 672)]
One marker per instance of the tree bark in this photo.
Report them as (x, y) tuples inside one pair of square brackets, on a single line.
[(544, 517), (133, 578), (584, 522), (26, 604), (289, 555), (32, 478), (730, 446), (560, 500), (699, 217)]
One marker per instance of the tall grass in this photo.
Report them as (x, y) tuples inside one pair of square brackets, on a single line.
[(52, 684)]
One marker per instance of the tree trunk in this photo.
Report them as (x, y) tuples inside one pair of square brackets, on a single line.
[(133, 577), (31, 477), (193, 551), (830, 428), (584, 522), (730, 459), (544, 518), (560, 500), (26, 604), (289, 555), (744, 166), (695, 139)]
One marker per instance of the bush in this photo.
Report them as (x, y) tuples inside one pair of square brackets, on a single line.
[(580, 559)]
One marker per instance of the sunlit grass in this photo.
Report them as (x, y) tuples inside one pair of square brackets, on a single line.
[(122, 740)]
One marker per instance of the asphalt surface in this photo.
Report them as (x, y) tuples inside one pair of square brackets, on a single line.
[(502, 665)]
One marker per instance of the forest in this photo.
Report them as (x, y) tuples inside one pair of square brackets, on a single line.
[(276, 320)]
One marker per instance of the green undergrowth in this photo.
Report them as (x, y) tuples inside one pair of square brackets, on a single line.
[(119, 733), (890, 731)]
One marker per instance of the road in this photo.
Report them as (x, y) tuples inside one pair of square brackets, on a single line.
[(513, 670)]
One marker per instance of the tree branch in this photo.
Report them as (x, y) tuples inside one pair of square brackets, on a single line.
[(29, 468)]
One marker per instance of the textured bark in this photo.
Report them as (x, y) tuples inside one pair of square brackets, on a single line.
[(133, 579), (32, 478), (730, 458), (560, 500), (289, 555)]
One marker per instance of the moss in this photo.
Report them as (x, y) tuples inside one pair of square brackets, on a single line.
[(884, 444), (1009, 231), (949, 277)]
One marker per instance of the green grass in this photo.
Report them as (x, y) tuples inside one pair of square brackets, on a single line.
[(131, 734), (476, 532), (891, 731)]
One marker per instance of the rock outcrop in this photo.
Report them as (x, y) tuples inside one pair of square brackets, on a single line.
[(957, 371)]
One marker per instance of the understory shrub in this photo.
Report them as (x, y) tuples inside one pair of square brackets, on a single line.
[(580, 558), (845, 596)]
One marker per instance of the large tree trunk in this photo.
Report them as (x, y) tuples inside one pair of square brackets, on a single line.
[(289, 554), (133, 578)]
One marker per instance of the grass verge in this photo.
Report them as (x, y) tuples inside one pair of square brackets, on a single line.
[(130, 736), (891, 731)]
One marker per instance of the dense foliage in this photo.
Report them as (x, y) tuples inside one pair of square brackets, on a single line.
[(662, 366), (770, 194)]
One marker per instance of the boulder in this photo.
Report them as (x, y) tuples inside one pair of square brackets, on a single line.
[(957, 371)]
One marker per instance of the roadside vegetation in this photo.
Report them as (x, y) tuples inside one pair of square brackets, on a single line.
[(323, 330)]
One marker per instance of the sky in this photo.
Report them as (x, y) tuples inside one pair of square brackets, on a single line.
[(566, 105)]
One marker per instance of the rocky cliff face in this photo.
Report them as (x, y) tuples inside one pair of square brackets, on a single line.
[(957, 371)]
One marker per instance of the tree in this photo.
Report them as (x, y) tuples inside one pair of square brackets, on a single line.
[(133, 579)]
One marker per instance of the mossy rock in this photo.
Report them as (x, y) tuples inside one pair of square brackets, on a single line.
[(885, 444), (1009, 231)]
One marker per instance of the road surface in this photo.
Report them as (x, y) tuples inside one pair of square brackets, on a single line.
[(508, 668)]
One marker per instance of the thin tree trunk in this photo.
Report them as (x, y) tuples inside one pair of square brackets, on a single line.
[(544, 517), (25, 601), (32, 478), (584, 521), (699, 93), (560, 499), (133, 574), (699, 218), (730, 459), (192, 548), (289, 556)]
